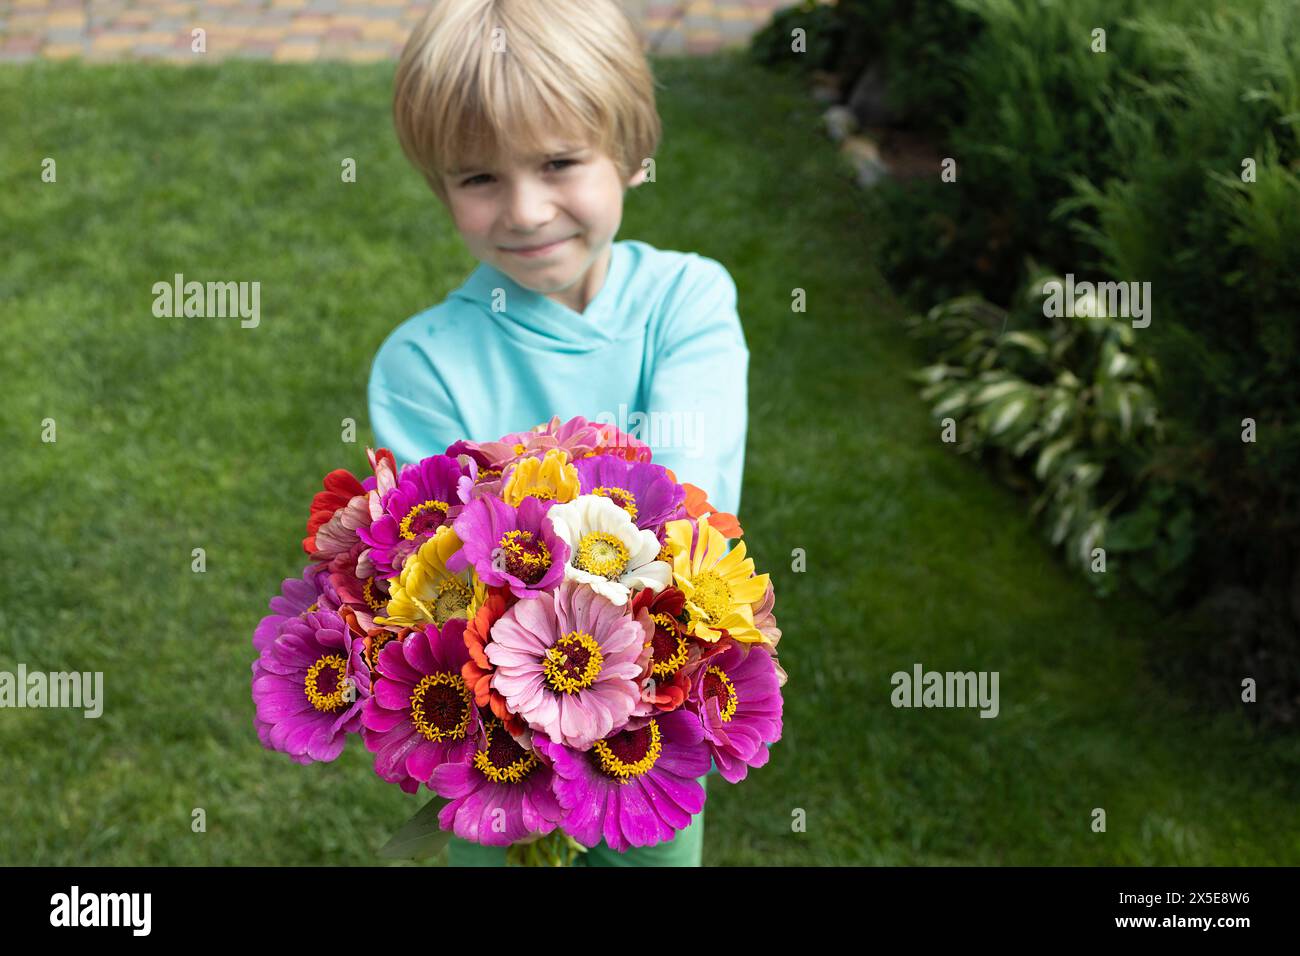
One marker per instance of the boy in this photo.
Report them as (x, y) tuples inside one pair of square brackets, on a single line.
[(530, 119)]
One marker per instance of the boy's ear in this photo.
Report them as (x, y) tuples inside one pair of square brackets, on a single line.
[(637, 178)]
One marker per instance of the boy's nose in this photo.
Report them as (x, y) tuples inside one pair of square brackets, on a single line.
[(528, 209)]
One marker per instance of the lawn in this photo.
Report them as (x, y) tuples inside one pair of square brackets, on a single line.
[(175, 434)]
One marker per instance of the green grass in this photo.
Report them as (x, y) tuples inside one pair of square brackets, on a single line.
[(184, 433)]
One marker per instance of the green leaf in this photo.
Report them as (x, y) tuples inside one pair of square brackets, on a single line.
[(1050, 455), (419, 837), (1001, 389), (1028, 342)]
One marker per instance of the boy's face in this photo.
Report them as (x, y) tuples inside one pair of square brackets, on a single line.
[(545, 221)]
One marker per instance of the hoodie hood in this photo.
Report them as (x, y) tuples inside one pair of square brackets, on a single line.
[(535, 320)]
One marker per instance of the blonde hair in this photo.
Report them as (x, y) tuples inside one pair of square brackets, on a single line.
[(476, 75)]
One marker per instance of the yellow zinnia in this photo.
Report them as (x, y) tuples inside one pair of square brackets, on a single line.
[(720, 587), (426, 591), (551, 479)]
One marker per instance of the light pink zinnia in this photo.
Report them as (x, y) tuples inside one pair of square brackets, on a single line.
[(568, 663)]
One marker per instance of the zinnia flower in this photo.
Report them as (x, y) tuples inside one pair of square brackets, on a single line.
[(510, 547), (635, 788), (643, 490), (675, 656), (500, 796), (297, 596), (336, 519), (577, 438), (427, 591), (549, 479), (720, 585), (425, 499), (568, 663), (765, 621), (420, 713), (478, 669), (302, 688), (737, 698), (606, 550)]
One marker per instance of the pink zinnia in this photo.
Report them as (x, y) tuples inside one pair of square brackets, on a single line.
[(568, 663)]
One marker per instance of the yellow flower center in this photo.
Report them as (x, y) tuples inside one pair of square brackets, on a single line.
[(451, 599), (718, 684), (541, 493), (325, 682), (630, 753), (440, 707), (574, 663), (315, 606), (712, 596), (424, 518), (503, 760), (375, 599), (620, 496), (600, 552)]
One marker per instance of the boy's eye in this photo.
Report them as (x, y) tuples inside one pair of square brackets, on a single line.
[(559, 164)]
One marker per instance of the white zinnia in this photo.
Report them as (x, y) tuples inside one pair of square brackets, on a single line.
[(606, 549)]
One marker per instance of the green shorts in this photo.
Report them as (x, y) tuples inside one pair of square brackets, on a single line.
[(684, 849)]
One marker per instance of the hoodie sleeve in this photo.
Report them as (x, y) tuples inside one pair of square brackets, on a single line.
[(411, 412), (700, 384)]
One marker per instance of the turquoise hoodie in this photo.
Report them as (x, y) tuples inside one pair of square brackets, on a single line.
[(661, 339)]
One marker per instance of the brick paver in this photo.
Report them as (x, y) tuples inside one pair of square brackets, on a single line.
[(295, 31)]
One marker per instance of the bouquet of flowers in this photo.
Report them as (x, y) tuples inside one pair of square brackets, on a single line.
[(549, 632)]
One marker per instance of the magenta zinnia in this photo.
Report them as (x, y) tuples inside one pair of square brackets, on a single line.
[(737, 697), (500, 796), (420, 713), (302, 691), (637, 787), (425, 499), (510, 547)]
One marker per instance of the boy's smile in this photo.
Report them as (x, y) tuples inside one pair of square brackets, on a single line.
[(547, 222)]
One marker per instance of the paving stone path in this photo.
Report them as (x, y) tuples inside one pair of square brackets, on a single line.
[(302, 30)]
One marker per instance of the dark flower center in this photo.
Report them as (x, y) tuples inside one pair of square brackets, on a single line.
[(440, 706), (574, 663), (718, 685), (503, 760), (629, 754), (668, 645), (525, 556), (425, 518), (324, 683)]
